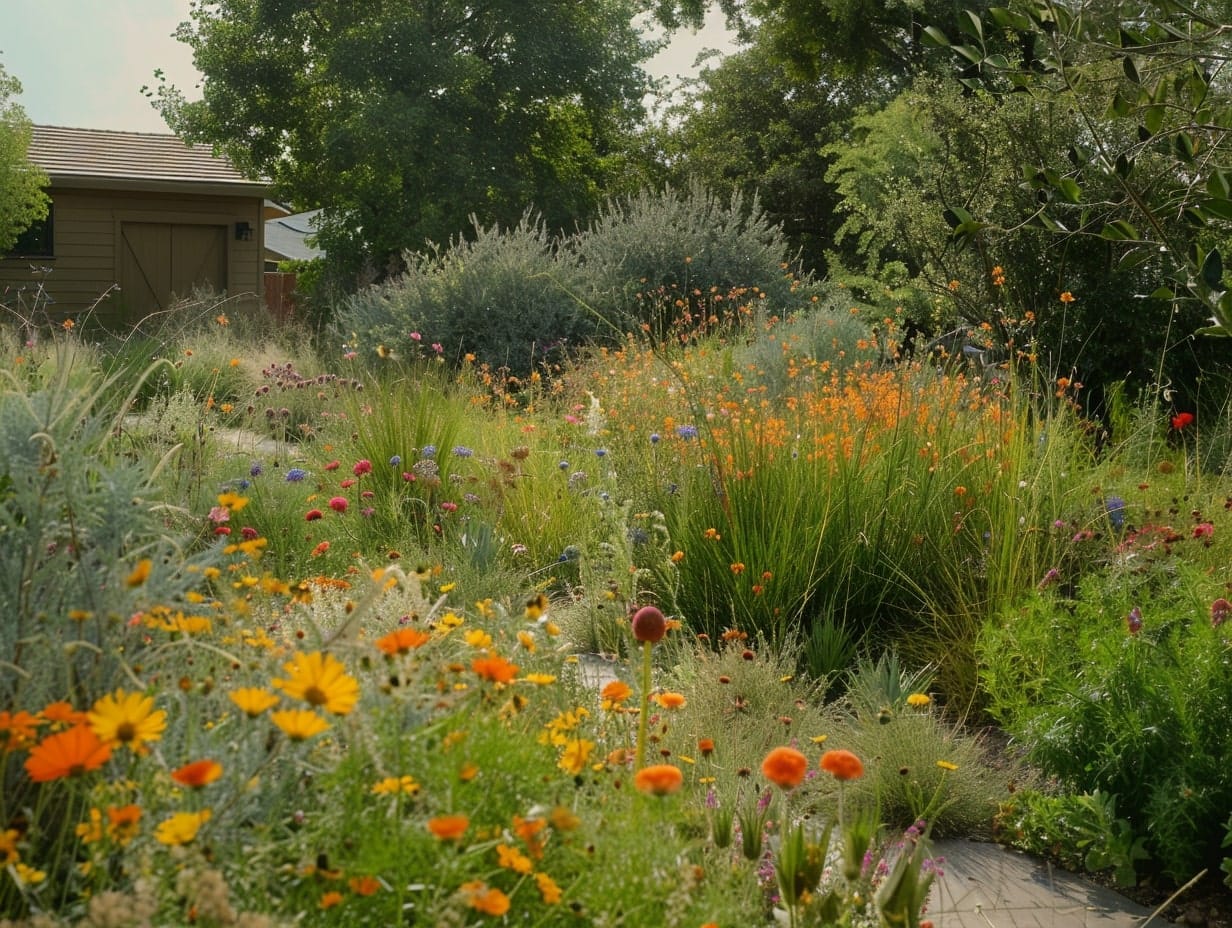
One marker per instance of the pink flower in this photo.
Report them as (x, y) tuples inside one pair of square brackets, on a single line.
[(408, 476), (1204, 530), (312, 515), (362, 466), (338, 504), (416, 337), (220, 514), (367, 494), (449, 507)]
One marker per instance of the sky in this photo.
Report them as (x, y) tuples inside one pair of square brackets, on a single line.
[(82, 63)]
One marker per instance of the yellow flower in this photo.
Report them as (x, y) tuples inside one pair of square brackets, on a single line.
[(576, 754), (181, 828), (299, 724), (946, 765), (548, 889), (919, 700), (253, 700), (390, 785), (320, 679), (477, 638), (127, 718), (232, 501)]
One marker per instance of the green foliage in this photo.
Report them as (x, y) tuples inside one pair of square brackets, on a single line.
[(1133, 714), (507, 296), (651, 256), (1149, 174), (1082, 832), (22, 200), (404, 120)]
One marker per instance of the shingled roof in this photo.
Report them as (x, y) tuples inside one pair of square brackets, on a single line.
[(134, 161)]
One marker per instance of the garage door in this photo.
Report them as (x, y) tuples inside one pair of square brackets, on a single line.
[(162, 261)]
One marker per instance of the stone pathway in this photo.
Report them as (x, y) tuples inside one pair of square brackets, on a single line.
[(989, 886)]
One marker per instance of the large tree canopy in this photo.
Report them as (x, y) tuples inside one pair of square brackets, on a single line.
[(22, 200), (403, 118)]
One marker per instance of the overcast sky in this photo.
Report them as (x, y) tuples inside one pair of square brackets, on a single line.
[(82, 63)]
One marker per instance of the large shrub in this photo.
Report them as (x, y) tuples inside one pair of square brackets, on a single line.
[(657, 253), (507, 296)]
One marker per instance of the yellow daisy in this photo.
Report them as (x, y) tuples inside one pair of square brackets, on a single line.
[(320, 679), (127, 718)]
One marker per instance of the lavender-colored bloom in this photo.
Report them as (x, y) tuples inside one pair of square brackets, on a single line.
[(462, 451), (296, 474), (600, 452), (563, 465), (1115, 507), (654, 438), (256, 470), (395, 460), (428, 451), (1133, 621), (686, 431)]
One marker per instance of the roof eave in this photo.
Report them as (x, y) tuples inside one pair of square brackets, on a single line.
[(205, 187)]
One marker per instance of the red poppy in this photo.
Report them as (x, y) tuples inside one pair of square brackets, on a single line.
[(1182, 419)]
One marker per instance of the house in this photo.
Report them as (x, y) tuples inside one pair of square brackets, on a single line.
[(286, 237), (144, 212)]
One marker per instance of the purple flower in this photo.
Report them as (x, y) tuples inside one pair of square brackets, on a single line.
[(395, 460), (1051, 577), (296, 474), (256, 470), (1134, 620), (1115, 507), (462, 451), (686, 431)]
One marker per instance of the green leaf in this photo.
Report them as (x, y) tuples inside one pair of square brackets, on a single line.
[(1069, 190), (1119, 231), (1183, 145), (1131, 69), (1219, 207), (956, 216), (935, 37), (1119, 106), (1212, 270), (1124, 165), (1009, 19), (971, 24), (1153, 118), (971, 53)]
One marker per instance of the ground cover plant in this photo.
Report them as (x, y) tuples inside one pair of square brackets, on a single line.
[(338, 673)]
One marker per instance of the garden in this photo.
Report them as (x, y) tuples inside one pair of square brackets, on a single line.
[(715, 616)]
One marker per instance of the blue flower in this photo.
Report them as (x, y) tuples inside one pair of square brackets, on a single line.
[(395, 460), (563, 465), (654, 438), (571, 553), (462, 451), (296, 474), (256, 470), (600, 452), (428, 451), (686, 431), (1115, 507)]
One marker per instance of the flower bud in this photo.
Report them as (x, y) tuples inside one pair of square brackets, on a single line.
[(649, 624)]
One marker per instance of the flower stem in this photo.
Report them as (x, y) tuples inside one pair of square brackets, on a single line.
[(640, 757)]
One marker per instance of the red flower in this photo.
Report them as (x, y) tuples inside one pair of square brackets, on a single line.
[(312, 515), (1182, 419), (363, 466), (338, 504), (649, 624), (332, 465)]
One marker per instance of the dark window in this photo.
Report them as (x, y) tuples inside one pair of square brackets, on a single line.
[(38, 241)]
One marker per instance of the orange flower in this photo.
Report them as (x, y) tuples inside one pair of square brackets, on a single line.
[(123, 823), (548, 889), (448, 827), (364, 885), (511, 858), (613, 694), (785, 767), (402, 641), (670, 700), (842, 765), (197, 774), (331, 899), (705, 746), (494, 668), (63, 713), (16, 729), (67, 754), (1067, 297), (659, 779), (484, 898)]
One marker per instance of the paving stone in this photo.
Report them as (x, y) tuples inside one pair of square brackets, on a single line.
[(988, 886)]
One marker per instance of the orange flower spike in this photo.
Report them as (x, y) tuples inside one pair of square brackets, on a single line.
[(785, 767)]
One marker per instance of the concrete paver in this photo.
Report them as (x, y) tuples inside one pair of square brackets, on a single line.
[(989, 886)]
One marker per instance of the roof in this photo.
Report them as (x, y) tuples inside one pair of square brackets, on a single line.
[(134, 161), (285, 236)]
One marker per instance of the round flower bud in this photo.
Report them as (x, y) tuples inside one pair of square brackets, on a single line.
[(649, 624)]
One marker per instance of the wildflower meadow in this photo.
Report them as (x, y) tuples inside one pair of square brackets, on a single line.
[(714, 623)]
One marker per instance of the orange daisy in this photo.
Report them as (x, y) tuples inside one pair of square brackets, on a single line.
[(495, 668), (67, 754), (402, 641), (17, 729), (197, 774)]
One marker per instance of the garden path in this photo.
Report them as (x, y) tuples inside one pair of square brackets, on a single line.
[(986, 885)]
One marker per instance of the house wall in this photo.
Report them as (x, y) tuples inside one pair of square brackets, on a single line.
[(87, 228)]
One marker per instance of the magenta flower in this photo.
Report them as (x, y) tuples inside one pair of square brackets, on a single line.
[(1221, 609), (338, 504), (1133, 621), (362, 466)]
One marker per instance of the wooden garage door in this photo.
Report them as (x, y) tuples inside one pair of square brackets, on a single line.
[(162, 261)]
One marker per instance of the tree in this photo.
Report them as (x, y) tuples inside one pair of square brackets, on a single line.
[(747, 124), (406, 118), (22, 200), (847, 38), (1150, 169)]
